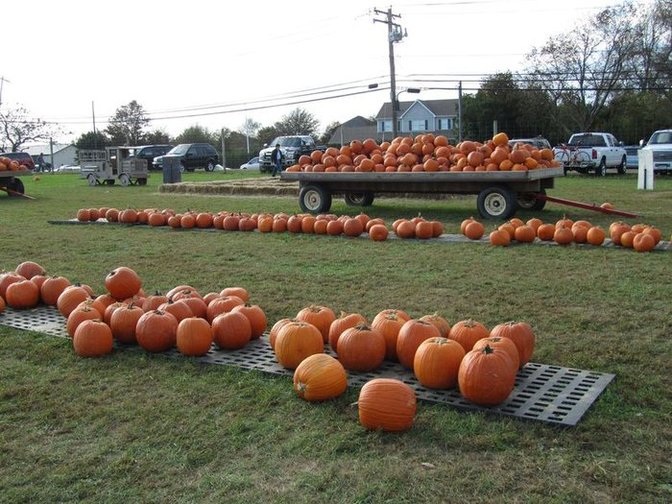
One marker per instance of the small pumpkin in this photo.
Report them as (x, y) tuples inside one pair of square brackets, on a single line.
[(437, 362), (320, 377), (222, 304), (194, 336), (386, 404), (92, 338), (70, 298), (486, 376), (78, 316), (256, 316), (389, 324), (273, 333), (440, 322), (52, 288)]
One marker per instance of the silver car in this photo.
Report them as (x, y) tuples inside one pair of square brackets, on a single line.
[(252, 164)]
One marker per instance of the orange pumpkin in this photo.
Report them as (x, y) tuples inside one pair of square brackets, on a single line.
[(486, 376), (52, 288), (320, 377), (441, 323), (25, 294), (295, 342), (29, 269), (467, 333), (78, 316), (361, 348), (122, 282), (92, 338), (194, 336), (386, 404), (345, 321), (411, 335), (70, 299), (320, 316), (500, 343), (156, 331), (437, 362), (124, 321), (231, 330), (521, 334)]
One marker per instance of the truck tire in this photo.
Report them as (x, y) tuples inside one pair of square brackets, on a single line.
[(601, 169), (359, 198), (496, 203), (15, 186), (529, 201), (314, 199), (210, 166), (91, 179), (623, 167), (124, 180)]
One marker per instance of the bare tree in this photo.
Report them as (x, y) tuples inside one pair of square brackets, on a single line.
[(17, 128)]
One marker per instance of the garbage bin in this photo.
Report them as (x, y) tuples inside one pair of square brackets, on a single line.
[(171, 170)]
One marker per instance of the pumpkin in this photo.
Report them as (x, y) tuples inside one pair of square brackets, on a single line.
[(79, 315), (500, 343), (52, 288), (345, 321), (70, 298), (2, 305), (521, 334), (320, 316), (178, 309), (386, 404), (196, 304), (92, 338), (156, 331), (6, 279), (545, 232), (28, 269), (563, 236), (378, 232), (320, 377), (353, 227), (94, 304), (411, 335), (389, 324), (122, 282), (153, 301), (296, 341), (231, 330), (273, 333), (240, 292), (109, 310), (643, 242), (221, 305), (499, 238), (437, 362), (525, 234), (256, 316), (441, 323), (194, 336), (474, 230), (124, 321), (500, 139), (25, 294), (361, 348), (467, 333), (486, 376)]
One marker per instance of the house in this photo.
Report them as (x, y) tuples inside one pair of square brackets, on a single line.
[(419, 116), (357, 128), (64, 154)]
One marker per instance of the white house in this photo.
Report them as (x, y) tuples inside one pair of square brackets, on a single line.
[(419, 116), (64, 154)]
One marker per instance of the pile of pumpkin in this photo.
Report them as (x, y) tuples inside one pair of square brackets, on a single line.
[(181, 318), (323, 224), (427, 153), (483, 364), (7, 164), (640, 237)]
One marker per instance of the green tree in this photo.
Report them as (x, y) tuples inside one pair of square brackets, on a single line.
[(93, 141), (127, 124), (198, 134), (267, 134), (156, 137), (297, 122), (328, 132), (17, 129)]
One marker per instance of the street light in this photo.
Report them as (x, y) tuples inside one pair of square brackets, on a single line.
[(395, 108)]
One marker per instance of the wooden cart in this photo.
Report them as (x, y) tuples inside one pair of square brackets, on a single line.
[(500, 194), (11, 183)]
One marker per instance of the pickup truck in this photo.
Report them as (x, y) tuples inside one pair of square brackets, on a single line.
[(292, 148), (661, 145), (596, 152)]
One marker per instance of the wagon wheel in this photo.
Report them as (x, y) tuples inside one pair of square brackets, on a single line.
[(142, 181), (15, 187), (91, 178), (496, 203), (124, 179), (358, 198), (529, 201), (314, 199)]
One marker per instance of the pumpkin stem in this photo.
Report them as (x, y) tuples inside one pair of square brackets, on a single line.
[(487, 350)]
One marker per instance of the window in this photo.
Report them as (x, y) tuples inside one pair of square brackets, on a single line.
[(446, 123), (417, 125), (384, 126)]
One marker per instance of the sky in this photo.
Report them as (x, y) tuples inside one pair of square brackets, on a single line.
[(216, 64)]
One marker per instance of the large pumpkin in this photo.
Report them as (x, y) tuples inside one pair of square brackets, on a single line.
[(256, 316), (386, 404), (156, 331), (52, 288), (194, 336), (122, 282), (522, 335), (22, 294), (320, 316), (231, 330), (92, 338), (29, 269), (437, 362), (467, 333), (124, 321), (500, 343), (486, 376), (320, 377), (295, 342), (70, 298), (411, 335), (361, 348)]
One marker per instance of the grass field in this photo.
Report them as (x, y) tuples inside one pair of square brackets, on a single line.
[(134, 427)]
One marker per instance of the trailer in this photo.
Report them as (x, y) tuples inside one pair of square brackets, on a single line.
[(500, 193), (111, 165), (11, 183)]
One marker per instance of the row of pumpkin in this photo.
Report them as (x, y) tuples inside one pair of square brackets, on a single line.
[(427, 153), (482, 363)]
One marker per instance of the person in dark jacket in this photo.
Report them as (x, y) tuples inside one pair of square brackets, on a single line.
[(276, 159)]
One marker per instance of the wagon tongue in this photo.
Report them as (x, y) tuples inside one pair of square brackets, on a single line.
[(586, 206)]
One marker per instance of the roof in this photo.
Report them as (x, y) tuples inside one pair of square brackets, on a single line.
[(35, 150), (437, 107)]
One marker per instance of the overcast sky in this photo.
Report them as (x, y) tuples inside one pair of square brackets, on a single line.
[(233, 60)]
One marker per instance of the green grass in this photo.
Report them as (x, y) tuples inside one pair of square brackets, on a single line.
[(134, 427)]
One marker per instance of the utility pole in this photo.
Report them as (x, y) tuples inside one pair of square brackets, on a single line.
[(459, 112), (394, 34), (2, 82)]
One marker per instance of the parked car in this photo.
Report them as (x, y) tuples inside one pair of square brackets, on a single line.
[(632, 156), (23, 158), (539, 142), (661, 145), (149, 152), (252, 164), (192, 156)]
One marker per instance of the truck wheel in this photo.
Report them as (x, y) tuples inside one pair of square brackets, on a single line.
[(15, 187), (314, 199), (601, 169), (92, 180), (358, 198), (210, 166), (124, 180), (529, 201), (496, 203), (623, 167)]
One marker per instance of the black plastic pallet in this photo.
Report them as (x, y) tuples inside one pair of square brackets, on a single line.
[(551, 394)]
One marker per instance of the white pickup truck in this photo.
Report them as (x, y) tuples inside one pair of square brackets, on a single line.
[(596, 152), (661, 145)]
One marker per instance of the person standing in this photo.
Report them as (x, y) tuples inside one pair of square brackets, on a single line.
[(276, 159), (40, 163)]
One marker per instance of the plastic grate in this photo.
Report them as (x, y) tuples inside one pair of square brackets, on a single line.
[(546, 393)]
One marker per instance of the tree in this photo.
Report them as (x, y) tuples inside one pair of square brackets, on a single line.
[(328, 132), (93, 141), (267, 134), (198, 134), (18, 129), (127, 124), (156, 137), (582, 69), (249, 128), (297, 122)]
